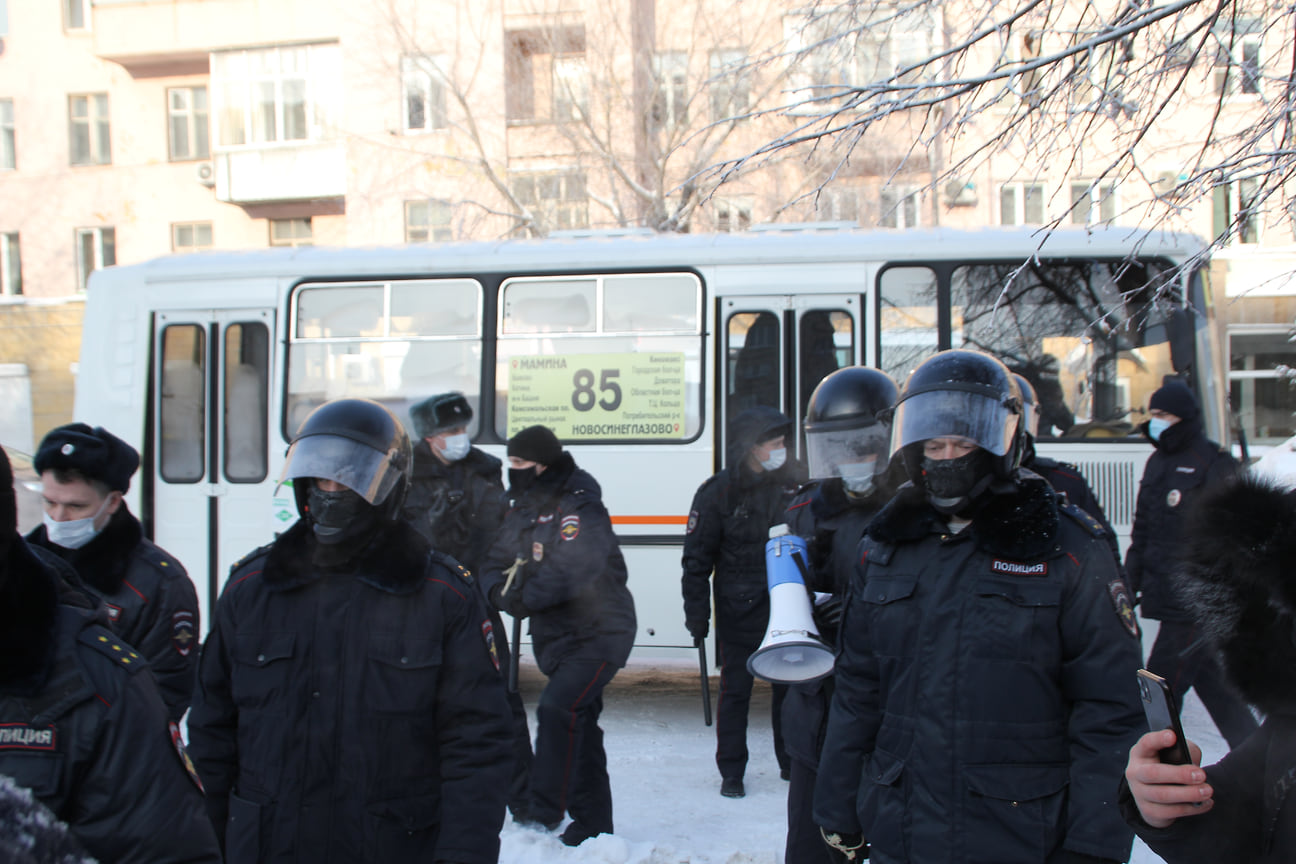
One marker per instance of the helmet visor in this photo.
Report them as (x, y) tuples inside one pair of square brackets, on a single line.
[(955, 414), (1030, 419), (829, 450), (356, 466)]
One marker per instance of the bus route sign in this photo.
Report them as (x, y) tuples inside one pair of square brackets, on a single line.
[(598, 396)]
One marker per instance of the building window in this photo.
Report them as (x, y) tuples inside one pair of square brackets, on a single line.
[(1262, 382), (291, 232), (269, 95), (1021, 204), (75, 15), (1237, 56), (899, 207), (670, 89), (424, 93), (1234, 211), (190, 236), (733, 214), (557, 200), (96, 248), (88, 129), (1092, 203), (427, 221), (729, 83), (545, 75), (187, 123), (4, 18), (8, 143), (837, 204), (10, 265)]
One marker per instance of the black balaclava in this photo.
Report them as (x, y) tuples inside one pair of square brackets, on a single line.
[(955, 484), (339, 518)]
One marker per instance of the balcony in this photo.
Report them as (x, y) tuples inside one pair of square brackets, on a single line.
[(285, 172)]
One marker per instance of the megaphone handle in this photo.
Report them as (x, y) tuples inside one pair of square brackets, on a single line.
[(801, 565)]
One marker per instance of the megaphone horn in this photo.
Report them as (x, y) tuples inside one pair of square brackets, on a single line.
[(792, 652)]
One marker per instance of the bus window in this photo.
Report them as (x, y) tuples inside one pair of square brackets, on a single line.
[(753, 351), (245, 421), (604, 358), (182, 415), (1086, 334), (908, 319), (395, 342), (826, 342)]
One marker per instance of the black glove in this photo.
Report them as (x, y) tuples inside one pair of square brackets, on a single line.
[(845, 845), (828, 614), (698, 628), (510, 602), (1066, 856)]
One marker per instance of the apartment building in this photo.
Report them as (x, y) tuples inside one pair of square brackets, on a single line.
[(131, 129)]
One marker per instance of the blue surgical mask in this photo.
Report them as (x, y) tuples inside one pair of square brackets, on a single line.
[(1156, 426), (857, 477), (74, 533), (456, 447), (775, 460)]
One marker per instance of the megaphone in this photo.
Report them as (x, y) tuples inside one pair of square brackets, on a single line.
[(792, 652)]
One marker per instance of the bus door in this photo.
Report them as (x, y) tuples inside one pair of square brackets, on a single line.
[(210, 417), (777, 348)]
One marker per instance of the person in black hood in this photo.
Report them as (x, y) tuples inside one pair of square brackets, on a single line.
[(1238, 584), (456, 501), (82, 725), (349, 706), (728, 525), (1184, 466), (147, 594), (556, 561)]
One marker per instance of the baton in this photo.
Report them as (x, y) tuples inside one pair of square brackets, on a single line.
[(706, 682), (513, 656)]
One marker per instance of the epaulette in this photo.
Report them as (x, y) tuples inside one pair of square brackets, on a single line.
[(161, 560), (453, 565), (105, 642), (1089, 523), (260, 550)]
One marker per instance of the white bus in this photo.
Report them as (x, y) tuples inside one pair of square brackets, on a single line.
[(634, 349)]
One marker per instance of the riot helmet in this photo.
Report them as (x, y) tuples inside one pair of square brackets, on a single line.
[(358, 443), (846, 435), (960, 394), (1030, 406)]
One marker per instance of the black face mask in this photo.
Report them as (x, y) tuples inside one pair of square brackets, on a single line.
[(339, 516), (521, 479), (952, 483)]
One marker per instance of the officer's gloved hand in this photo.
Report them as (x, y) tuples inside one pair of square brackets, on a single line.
[(828, 614), (845, 845), (1066, 856), (698, 628), (510, 602)]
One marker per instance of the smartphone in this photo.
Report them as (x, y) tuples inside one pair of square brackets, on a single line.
[(1163, 713)]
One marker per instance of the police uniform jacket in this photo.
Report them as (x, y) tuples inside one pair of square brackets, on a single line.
[(150, 600), (352, 713), (728, 525), (457, 507), (985, 692), (1184, 465), (831, 523), (82, 726), (573, 577)]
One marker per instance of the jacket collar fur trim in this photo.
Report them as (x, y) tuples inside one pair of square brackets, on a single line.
[(394, 559), (104, 561)]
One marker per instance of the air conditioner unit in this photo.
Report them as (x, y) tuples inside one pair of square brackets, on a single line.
[(206, 174), (1171, 184), (960, 193)]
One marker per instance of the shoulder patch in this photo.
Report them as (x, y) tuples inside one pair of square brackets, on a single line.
[(183, 632), (692, 524), (569, 528), (1087, 522), (109, 645), (1119, 594), (488, 636)]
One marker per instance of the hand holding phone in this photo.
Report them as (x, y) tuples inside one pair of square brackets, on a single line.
[(1162, 712)]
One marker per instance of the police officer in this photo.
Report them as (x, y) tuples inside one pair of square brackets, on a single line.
[(349, 705), (456, 501), (848, 449), (728, 525), (1183, 467), (557, 562), (148, 596), (985, 689), (81, 723), (1064, 477)]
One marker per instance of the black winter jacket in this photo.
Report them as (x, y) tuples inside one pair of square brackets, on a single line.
[(728, 525), (1239, 585), (83, 727), (352, 714), (150, 600), (985, 692), (1184, 465), (574, 577), (456, 507)]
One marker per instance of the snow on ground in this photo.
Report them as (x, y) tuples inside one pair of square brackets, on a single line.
[(666, 790)]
